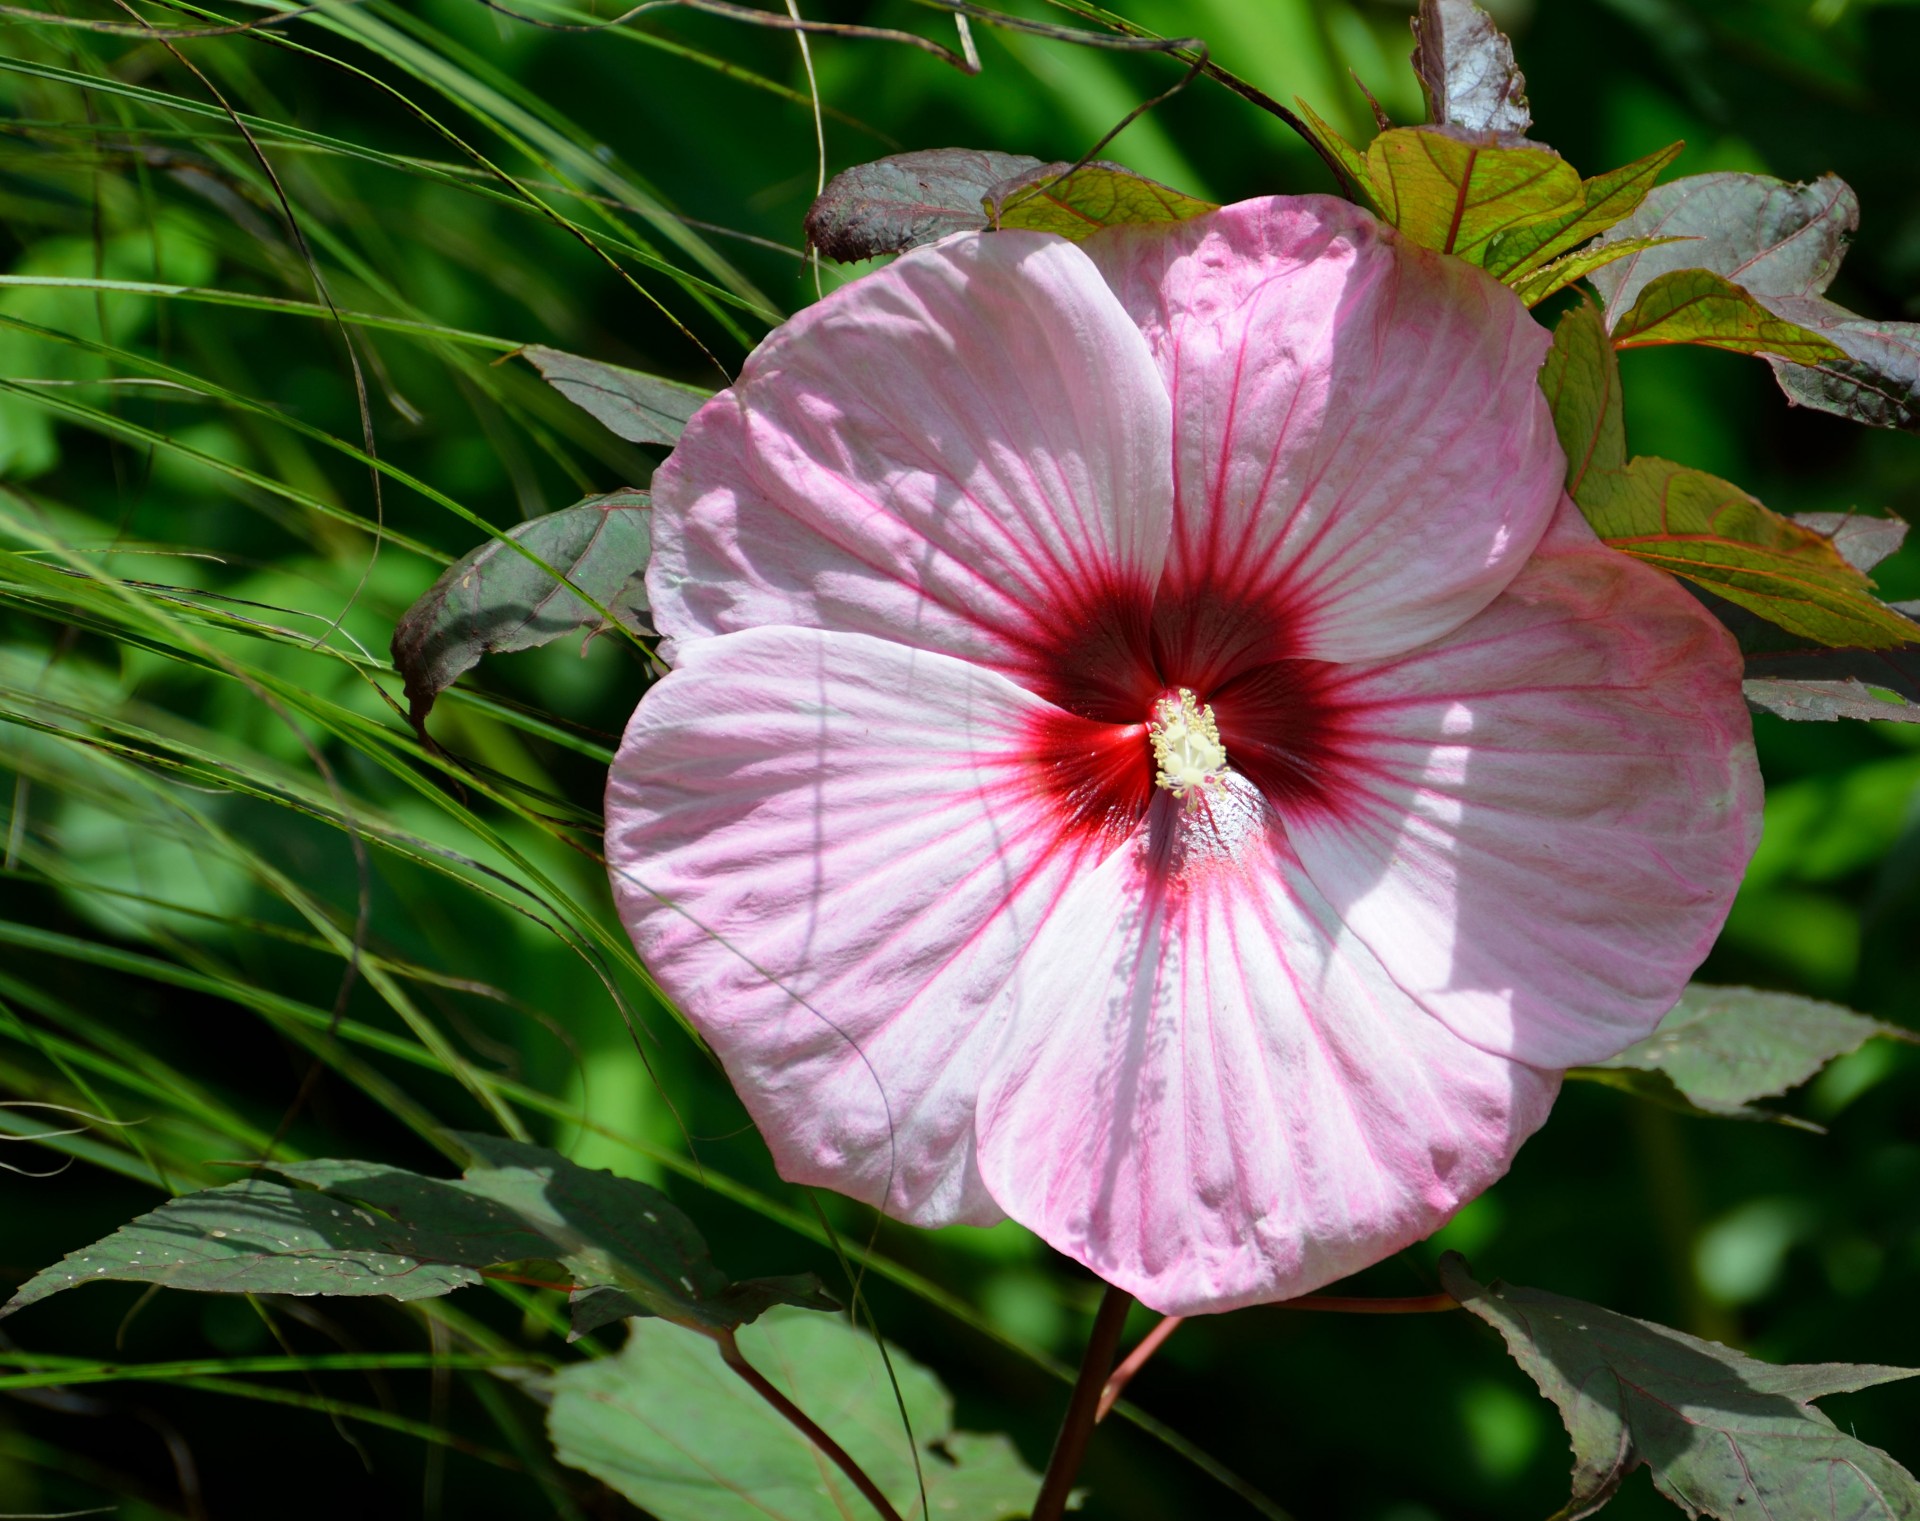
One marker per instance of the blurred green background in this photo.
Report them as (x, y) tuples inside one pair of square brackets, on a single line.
[(199, 723)]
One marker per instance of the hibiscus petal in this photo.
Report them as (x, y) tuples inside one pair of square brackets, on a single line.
[(1552, 807), (829, 856), (1360, 440), (1213, 1096), (944, 453)]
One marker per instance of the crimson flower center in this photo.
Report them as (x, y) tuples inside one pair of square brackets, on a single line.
[(1173, 690)]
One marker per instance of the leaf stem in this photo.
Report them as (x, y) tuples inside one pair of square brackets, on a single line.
[(735, 1359), (1083, 1409), (1339, 1304), (1135, 1361)]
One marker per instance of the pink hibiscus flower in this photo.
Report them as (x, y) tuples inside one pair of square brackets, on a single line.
[(1151, 751)]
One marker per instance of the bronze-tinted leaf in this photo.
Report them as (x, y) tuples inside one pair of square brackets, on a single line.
[(1466, 70), (1765, 235), (1797, 678), (1825, 689), (641, 408), (1875, 381), (1725, 1435), (897, 203), (1862, 541), (525, 589), (1781, 244)]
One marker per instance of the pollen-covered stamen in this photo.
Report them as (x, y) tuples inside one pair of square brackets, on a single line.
[(1186, 746)]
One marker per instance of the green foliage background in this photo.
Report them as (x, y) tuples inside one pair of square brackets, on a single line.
[(199, 722)]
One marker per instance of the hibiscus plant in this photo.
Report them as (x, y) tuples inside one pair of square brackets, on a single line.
[(1181, 727)]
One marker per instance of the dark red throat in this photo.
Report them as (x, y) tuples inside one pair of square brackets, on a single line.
[(1106, 658)]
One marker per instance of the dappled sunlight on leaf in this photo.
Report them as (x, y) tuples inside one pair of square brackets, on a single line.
[(671, 1429), (361, 1228), (1725, 1435)]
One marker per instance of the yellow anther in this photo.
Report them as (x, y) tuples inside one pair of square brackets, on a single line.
[(1186, 746)]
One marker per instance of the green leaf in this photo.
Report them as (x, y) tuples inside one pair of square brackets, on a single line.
[(1581, 379), (363, 1228), (1535, 286), (1725, 1435), (257, 1237), (642, 409), (625, 1239), (1722, 1048), (1797, 679), (1352, 161), (1711, 532), (1605, 200), (1659, 1089), (897, 203), (1513, 207), (1698, 306), (497, 599), (670, 1427), (1078, 202), (1466, 70), (1449, 191)]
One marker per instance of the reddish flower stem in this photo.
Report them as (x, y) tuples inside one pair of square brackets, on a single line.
[(1136, 1360), (731, 1354), (1339, 1304), (1082, 1410)]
